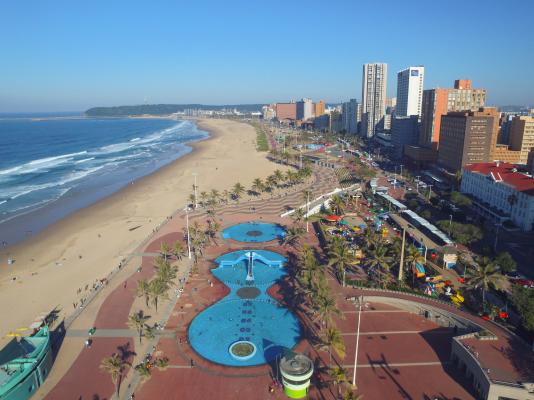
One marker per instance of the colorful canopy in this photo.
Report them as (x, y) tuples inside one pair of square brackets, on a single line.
[(344, 222), (332, 218)]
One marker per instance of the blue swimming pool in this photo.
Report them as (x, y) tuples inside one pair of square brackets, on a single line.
[(254, 232), (248, 314)]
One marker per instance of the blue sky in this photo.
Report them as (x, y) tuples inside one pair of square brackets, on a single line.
[(71, 55)]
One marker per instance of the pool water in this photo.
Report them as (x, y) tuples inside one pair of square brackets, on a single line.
[(254, 232), (247, 314)]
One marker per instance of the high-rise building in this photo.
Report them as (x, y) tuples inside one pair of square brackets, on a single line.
[(410, 91), (404, 131), (522, 136), (438, 102), (349, 115), (319, 108), (467, 137), (286, 111), (305, 109), (268, 112), (374, 83)]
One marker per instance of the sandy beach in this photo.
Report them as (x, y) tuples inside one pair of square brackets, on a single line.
[(50, 267)]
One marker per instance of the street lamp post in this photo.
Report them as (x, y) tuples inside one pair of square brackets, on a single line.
[(307, 210), (357, 340), (188, 234), (401, 170), (195, 187), (429, 191), (450, 224)]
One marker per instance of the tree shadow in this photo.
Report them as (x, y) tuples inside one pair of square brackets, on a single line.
[(390, 373)]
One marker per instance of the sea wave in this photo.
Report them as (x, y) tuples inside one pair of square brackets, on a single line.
[(40, 164), (20, 191)]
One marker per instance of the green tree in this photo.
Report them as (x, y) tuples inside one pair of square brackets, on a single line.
[(212, 230), (483, 275), (332, 340), (412, 256), (462, 233), (293, 236), (339, 377), (337, 204), (340, 257), (237, 191), (114, 366), (506, 262), (143, 370), (523, 301), (158, 290), (165, 271), (165, 250), (137, 322), (178, 250), (326, 308), (143, 290), (257, 186), (380, 262), (460, 199)]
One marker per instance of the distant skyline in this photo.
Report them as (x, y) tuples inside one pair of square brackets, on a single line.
[(70, 56)]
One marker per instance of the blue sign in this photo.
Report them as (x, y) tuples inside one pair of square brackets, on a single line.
[(414, 72)]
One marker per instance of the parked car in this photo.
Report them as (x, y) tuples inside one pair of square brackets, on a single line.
[(526, 283)]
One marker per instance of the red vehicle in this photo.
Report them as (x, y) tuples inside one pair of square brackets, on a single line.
[(527, 283)]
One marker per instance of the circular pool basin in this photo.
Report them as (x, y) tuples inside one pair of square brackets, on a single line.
[(254, 232)]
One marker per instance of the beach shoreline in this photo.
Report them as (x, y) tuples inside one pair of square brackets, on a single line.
[(91, 242)]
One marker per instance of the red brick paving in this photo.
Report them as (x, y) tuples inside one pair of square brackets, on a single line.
[(213, 381), (87, 381)]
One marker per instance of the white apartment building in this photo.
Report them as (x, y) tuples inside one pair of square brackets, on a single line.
[(305, 109), (500, 193), (410, 91), (374, 84)]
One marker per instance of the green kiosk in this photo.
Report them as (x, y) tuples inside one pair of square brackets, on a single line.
[(296, 370)]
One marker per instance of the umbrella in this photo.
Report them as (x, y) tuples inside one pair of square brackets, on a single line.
[(332, 218), (344, 222)]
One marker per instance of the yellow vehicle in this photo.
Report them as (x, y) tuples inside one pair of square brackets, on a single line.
[(457, 299)]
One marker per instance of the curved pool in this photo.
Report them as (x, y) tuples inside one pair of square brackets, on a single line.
[(248, 314), (254, 232)]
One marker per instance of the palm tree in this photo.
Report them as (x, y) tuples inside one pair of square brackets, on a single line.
[(380, 261), (214, 196), (143, 290), (271, 182), (165, 250), (257, 186), (225, 196), (178, 250), (114, 366), (370, 238), (143, 370), (350, 395), (332, 340), (137, 321), (298, 215), (412, 256), (212, 229), (292, 236), (165, 271), (326, 307), (339, 376), (337, 204), (484, 274), (158, 289), (238, 191), (340, 258), (279, 175), (203, 198)]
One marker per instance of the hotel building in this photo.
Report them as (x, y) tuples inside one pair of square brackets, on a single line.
[(410, 91)]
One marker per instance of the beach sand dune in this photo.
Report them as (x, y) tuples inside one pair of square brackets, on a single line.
[(87, 245)]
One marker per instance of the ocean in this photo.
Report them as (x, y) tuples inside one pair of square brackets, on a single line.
[(53, 165)]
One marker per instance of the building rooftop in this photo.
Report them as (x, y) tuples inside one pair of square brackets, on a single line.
[(505, 173)]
